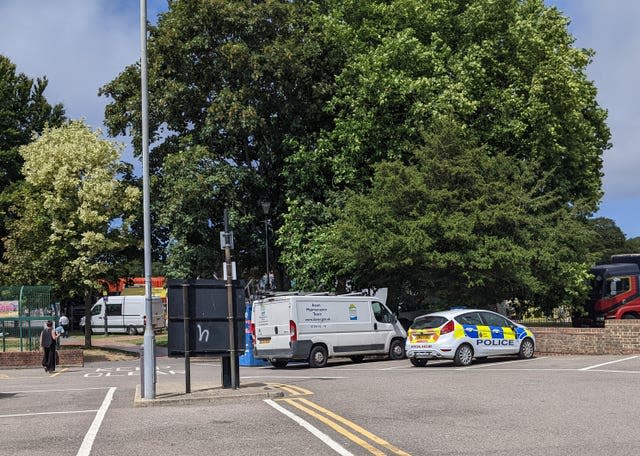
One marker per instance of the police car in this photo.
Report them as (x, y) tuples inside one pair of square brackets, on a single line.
[(464, 334)]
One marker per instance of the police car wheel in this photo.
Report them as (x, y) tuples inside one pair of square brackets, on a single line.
[(526, 349), (318, 356), (464, 355), (418, 362)]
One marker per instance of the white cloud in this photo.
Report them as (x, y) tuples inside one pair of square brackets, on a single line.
[(78, 44)]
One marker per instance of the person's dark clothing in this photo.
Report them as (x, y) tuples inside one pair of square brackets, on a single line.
[(48, 343)]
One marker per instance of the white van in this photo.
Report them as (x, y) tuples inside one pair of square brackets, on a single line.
[(315, 328), (125, 314)]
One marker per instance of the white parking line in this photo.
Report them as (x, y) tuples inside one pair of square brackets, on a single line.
[(87, 443), (53, 390), (47, 413), (291, 376), (314, 430), (610, 362), (615, 371), (481, 366)]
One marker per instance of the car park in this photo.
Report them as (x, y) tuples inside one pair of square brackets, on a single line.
[(464, 334)]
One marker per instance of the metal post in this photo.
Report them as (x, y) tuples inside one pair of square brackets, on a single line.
[(266, 248), (20, 316), (149, 336), (230, 307), (187, 353), (265, 209)]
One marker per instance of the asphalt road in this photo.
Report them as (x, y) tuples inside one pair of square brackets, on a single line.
[(569, 405)]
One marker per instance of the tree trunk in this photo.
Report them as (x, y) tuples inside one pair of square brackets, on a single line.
[(87, 318)]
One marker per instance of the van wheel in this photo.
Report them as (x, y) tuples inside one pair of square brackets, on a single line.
[(279, 363), (630, 316), (132, 331), (526, 349), (396, 350), (357, 358), (318, 356), (464, 355), (418, 362)]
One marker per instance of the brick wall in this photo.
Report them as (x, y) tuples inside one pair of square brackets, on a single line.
[(34, 358), (618, 337)]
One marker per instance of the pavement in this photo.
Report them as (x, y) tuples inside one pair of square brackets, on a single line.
[(118, 343), (173, 393)]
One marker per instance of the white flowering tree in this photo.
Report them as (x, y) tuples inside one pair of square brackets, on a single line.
[(73, 219)]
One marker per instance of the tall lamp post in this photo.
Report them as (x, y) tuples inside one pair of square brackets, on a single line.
[(265, 209), (149, 362)]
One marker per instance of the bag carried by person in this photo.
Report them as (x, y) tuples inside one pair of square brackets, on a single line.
[(47, 340)]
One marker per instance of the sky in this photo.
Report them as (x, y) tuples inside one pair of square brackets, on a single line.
[(82, 44)]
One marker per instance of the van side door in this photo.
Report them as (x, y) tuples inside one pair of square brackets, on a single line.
[(114, 316), (97, 316), (383, 328)]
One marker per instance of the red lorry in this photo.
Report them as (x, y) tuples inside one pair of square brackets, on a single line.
[(615, 291)]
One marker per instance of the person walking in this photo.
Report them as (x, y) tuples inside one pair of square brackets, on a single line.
[(48, 344), (64, 322)]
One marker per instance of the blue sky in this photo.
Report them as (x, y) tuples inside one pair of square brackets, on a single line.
[(82, 44)]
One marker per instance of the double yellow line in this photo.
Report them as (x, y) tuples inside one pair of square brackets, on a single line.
[(341, 425)]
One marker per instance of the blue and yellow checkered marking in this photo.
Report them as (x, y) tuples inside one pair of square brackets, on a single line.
[(491, 332)]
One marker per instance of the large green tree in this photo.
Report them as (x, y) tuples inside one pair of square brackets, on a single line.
[(24, 111), (457, 225), (235, 87), (609, 239), (506, 71), (74, 219)]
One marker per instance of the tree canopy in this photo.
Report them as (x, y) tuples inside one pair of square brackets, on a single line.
[(24, 111), (240, 85), (319, 106)]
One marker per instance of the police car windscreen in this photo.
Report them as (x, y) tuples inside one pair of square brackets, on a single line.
[(428, 322)]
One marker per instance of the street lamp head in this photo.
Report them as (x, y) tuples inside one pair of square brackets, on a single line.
[(265, 206)]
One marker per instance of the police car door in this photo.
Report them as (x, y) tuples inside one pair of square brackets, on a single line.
[(474, 333), (503, 338)]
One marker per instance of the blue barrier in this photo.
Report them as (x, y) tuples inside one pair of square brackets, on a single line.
[(249, 359)]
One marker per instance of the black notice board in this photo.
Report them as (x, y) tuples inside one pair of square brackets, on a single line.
[(207, 314)]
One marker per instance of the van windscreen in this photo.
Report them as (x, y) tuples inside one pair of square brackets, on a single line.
[(428, 322)]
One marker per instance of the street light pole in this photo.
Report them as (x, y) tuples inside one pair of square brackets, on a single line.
[(149, 364), (265, 208)]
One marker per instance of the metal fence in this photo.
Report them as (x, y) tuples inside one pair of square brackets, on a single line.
[(24, 311)]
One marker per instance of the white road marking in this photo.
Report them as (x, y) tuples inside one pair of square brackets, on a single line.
[(615, 371), (291, 376), (309, 427), (53, 390), (87, 443), (480, 366), (610, 362), (394, 368), (48, 413)]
